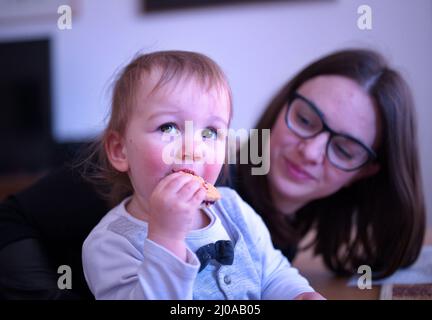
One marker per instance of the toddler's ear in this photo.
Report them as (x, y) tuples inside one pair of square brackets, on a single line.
[(116, 151)]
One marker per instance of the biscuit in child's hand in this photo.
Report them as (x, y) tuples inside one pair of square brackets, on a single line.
[(212, 194)]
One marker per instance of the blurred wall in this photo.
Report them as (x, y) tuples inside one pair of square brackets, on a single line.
[(259, 46)]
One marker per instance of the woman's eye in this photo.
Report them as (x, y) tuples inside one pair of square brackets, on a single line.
[(307, 122), (209, 133), (343, 153), (303, 120), (169, 128)]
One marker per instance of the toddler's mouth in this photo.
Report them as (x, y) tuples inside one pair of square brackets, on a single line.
[(184, 170), (212, 193)]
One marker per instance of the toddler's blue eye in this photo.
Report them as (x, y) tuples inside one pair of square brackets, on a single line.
[(170, 128), (209, 133)]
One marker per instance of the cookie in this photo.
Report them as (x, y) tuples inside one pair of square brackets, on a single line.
[(212, 194)]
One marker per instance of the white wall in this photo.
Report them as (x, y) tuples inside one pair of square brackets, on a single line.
[(259, 46)]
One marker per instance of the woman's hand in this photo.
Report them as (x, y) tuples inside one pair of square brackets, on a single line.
[(310, 296), (173, 206)]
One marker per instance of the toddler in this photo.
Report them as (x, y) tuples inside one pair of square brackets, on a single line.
[(164, 240)]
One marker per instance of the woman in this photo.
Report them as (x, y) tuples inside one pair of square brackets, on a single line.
[(344, 164)]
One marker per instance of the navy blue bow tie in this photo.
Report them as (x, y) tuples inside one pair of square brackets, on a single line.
[(221, 251)]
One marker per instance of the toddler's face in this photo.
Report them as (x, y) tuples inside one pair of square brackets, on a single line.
[(174, 127)]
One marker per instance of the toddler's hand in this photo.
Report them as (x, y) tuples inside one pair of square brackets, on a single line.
[(172, 205)]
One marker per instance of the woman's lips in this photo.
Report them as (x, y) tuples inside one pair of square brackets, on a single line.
[(296, 172)]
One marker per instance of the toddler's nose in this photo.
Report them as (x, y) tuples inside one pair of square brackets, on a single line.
[(191, 150)]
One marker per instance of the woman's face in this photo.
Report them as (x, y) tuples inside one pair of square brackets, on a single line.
[(300, 171)]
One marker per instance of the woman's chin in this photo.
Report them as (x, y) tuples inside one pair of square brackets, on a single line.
[(291, 189)]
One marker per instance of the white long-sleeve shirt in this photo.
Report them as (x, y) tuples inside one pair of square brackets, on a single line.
[(120, 262)]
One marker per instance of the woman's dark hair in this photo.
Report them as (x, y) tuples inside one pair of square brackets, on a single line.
[(378, 221)]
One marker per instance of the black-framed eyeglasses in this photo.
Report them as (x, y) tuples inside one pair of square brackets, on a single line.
[(307, 121)]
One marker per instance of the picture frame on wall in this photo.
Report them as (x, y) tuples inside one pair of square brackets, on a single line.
[(164, 5)]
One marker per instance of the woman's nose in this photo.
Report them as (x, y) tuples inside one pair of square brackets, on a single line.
[(314, 149)]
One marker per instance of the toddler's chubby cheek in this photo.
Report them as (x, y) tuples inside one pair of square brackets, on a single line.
[(211, 172)]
